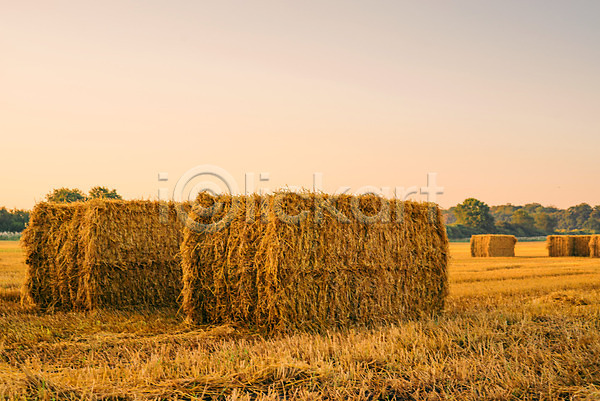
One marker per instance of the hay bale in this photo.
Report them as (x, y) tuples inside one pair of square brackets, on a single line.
[(67, 259), (260, 267), (489, 245), (568, 245), (581, 245), (130, 256), (42, 241), (102, 253), (595, 246)]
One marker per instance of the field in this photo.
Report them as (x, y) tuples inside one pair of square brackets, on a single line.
[(513, 328)]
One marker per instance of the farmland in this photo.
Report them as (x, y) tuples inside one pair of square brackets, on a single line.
[(526, 327)]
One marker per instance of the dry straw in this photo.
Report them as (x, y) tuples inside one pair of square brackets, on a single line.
[(46, 284), (287, 261), (103, 253), (595, 246), (493, 245), (568, 245)]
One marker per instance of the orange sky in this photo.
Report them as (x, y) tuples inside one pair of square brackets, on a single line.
[(501, 100)]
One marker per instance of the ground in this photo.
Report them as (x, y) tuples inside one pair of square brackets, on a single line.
[(513, 328)]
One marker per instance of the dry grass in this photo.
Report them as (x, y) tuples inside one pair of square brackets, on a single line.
[(526, 327)]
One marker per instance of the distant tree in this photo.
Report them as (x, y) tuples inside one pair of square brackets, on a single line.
[(523, 219), (575, 217), (103, 192), (545, 222), (65, 195), (503, 212), (475, 214), (533, 208), (13, 220), (593, 222)]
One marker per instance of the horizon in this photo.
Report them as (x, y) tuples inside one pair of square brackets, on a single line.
[(499, 100)]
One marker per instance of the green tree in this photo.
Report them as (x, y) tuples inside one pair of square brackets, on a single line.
[(545, 222), (13, 220), (575, 217), (593, 222), (523, 219), (503, 213), (103, 192), (475, 214), (65, 195)]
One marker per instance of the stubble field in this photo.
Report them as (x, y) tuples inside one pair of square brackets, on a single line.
[(513, 328)]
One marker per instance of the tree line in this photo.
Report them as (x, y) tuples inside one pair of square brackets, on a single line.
[(16, 220), (475, 217)]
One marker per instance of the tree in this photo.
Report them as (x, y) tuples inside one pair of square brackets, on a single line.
[(103, 192), (523, 219), (65, 195), (576, 216), (13, 220), (503, 212), (545, 222), (593, 222), (475, 214)]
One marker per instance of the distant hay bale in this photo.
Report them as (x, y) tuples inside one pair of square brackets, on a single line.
[(130, 257), (581, 245), (286, 261), (568, 245), (103, 253), (42, 241), (595, 246), (489, 245), (559, 245)]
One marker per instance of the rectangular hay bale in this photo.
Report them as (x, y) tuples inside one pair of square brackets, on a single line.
[(46, 284), (287, 261), (568, 245), (493, 245), (103, 253), (130, 255)]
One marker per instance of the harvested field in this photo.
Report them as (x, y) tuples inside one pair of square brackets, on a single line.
[(525, 327)]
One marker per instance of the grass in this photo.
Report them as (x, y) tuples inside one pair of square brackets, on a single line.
[(514, 328)]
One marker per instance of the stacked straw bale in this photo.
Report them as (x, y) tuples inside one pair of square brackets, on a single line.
[(129, 256), (568, 245), (493, 245), (103, 253), (287, 261), (595, 246), (581, 245), (46, 284)]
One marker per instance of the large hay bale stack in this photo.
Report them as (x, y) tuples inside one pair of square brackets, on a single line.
[(45, 284), (595, 246), (130, 255), (568, 245), (284, 261), (492, 245), (103, 253)]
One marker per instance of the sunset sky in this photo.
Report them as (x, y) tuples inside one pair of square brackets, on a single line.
[(501, 99)]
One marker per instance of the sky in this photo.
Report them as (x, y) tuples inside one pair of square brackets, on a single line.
[(500, 99)]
